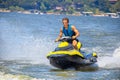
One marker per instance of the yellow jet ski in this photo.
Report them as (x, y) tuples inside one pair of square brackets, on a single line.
[(65, 56)]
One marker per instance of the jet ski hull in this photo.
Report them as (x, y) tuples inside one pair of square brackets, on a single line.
[(64, 61), (65, 56)]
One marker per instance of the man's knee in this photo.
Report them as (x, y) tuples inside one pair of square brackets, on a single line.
[(74, 43)]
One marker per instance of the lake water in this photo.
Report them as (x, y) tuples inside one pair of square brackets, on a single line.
[(25, 40)]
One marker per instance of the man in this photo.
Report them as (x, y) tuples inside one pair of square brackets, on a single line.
[(69, 30)]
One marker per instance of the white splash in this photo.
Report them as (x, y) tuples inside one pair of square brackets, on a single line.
[(4, 76), (110, 62), (117, 53), (29, 48)]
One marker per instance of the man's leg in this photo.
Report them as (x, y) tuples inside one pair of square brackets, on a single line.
[(74, 43)]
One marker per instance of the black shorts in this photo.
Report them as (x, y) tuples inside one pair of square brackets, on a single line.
[(70, 41)]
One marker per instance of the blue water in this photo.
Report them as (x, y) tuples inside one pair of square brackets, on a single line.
[(25, 40)]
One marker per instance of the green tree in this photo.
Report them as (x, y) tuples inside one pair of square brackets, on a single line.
[(116, 7), (15, 8), (70, 10), (42, 7)]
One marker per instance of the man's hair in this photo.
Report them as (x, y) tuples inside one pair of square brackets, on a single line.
[(66, 19)]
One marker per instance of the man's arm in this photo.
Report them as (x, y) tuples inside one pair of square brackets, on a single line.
[(76, 32), (60, 35)]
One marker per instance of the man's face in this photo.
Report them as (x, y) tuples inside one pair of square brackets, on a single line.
[(65, 23)]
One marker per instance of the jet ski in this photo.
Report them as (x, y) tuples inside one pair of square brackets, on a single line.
[(65, 56)]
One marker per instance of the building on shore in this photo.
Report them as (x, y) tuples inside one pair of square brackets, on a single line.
[(87, 13)]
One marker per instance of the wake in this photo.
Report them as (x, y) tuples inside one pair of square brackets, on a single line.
[(112, 62)]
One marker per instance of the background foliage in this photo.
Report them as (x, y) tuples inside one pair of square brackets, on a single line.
[(69, 6)]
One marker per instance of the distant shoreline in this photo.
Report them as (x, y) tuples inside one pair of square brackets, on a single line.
[(112, 15)]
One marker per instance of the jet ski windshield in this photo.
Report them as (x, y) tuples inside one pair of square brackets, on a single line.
[(64, 44), (69, 47), (66, 38)]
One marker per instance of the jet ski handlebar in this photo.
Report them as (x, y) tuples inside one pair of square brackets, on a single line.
[(65, 39)]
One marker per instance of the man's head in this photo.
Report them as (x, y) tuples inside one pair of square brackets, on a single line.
[(65, 22)]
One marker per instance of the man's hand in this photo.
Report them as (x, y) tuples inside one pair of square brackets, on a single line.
[(73, 37), (56, 40)]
